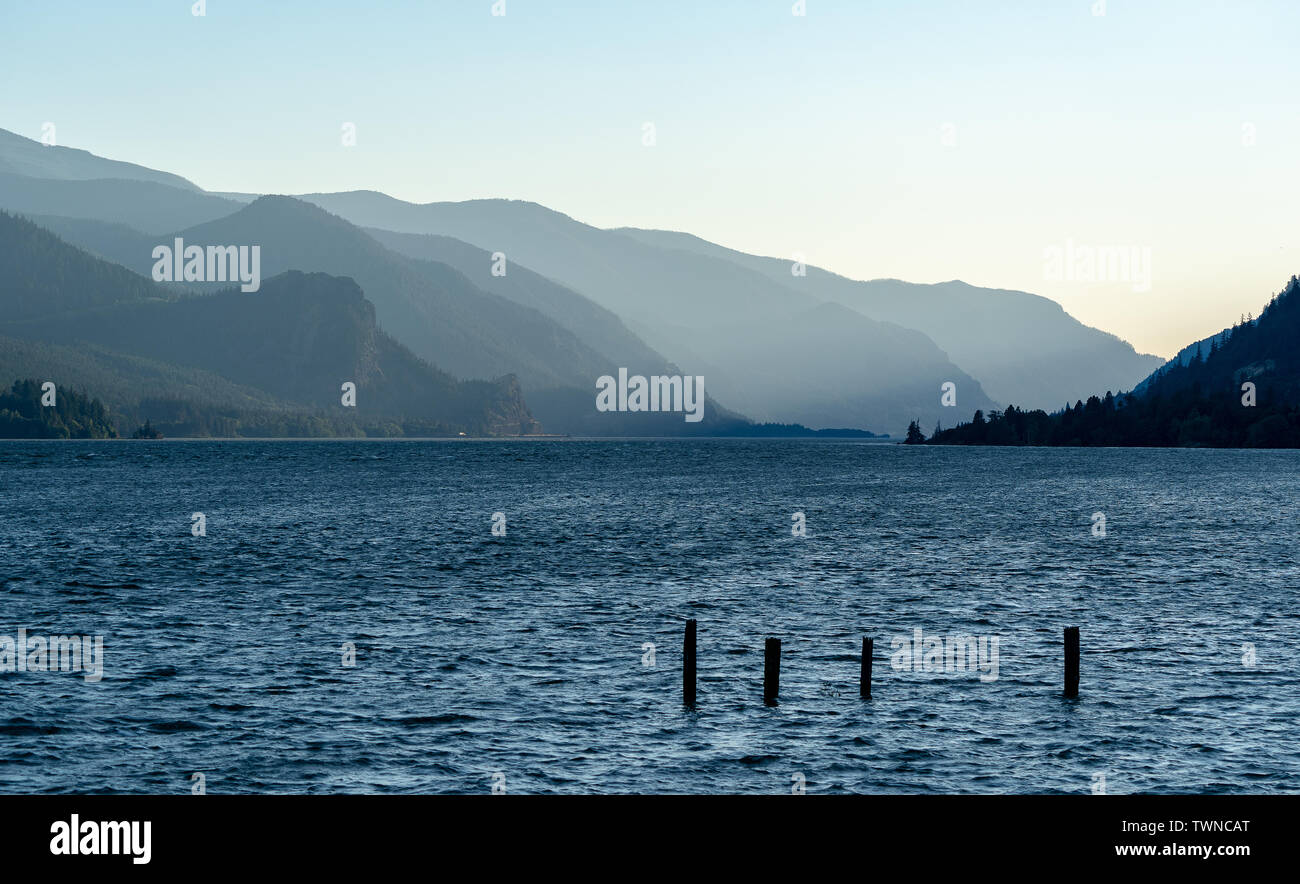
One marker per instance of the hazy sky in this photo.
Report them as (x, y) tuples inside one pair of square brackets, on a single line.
[(920, 139)]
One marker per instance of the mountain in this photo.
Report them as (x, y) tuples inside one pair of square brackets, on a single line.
[(1185, 356), (639, 283), (313, 332), (768, 350), (596, 326), (34, 159), (44, 276), (112, 242), (430, 307), (297, 340), (1241, 391), (1024, 348), (143, 205), (438, 312), (137, 389), (1264, 351), (601, 299), (814, 369)]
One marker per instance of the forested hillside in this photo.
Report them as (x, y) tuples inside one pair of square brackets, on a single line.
[(1244, 392)]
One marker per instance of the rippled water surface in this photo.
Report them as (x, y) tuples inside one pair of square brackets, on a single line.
[(525, 655)]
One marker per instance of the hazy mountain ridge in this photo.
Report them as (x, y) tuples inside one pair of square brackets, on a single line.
[(43, 275), (766, 349), (26, 156), (437, 311), (430, 307), (147, 206), (600, 329), (578, 301), (298, 339), (1023, 348), (591, 322)]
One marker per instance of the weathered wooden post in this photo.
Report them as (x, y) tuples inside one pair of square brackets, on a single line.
[(771, 669), (1071, 661), (688, 664), (867, 645)]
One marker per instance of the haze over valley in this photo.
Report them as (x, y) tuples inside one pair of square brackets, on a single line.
[(492, 289)]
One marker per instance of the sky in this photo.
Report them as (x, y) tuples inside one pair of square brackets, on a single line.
[(924, 140)]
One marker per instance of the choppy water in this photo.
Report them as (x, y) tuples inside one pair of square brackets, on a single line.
[(524, 655)]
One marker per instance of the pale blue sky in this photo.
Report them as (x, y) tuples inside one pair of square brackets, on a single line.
[(821, 135)]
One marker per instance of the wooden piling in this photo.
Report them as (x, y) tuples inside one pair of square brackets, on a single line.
[(688, 664), (771, 670), (867, 646), (1071, 661)]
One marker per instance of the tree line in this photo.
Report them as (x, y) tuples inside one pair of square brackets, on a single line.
[(1243, 393)]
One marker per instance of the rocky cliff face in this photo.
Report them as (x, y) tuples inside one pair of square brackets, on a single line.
[(504, 412)]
